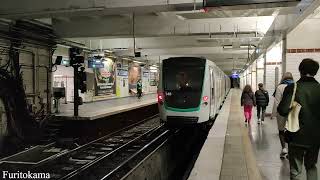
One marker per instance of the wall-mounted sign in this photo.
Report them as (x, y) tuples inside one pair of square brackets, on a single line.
[(123, 72), (145, 74), (134, 76), (95, 63), (105, 78)]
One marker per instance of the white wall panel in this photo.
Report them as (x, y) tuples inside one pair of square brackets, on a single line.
[(294, 59), (270, 84)]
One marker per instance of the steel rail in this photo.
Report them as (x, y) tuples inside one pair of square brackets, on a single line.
[(94, 162)]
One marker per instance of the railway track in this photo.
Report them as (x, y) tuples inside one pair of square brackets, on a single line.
[(105, 158)]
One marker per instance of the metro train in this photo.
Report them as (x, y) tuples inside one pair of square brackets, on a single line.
[(191, 90)]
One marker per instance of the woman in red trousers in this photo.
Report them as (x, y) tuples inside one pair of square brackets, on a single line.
[(248, 100)]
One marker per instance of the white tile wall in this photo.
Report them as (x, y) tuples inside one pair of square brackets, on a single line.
[(260, 73), (294, 59), (41, 57), (270, 84)]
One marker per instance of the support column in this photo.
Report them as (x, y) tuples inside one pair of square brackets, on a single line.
[(265, 68), (284, 53)]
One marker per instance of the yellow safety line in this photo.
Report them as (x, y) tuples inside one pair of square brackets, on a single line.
[(250, 158)]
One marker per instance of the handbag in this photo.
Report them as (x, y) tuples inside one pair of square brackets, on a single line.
[(292, 124)]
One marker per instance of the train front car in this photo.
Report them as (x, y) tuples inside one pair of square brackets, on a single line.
[(183, 94)]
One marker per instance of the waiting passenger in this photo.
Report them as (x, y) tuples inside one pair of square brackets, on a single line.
[(286, 80), (248, 100), (139, 88), (262, 98), (304, 144)]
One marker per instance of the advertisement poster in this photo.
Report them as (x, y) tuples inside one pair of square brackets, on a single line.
[(134, 76), (105, 78)]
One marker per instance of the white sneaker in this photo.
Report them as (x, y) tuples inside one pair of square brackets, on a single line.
[(285, 150), (259, 121), (284, 153)]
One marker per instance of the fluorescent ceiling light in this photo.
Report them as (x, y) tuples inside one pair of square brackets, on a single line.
[(152, 67), (227, 47), (108, 51), (138, 62)]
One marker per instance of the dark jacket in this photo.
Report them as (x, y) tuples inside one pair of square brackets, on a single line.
[(248, 99), (139, 86), (308, 95), (262, 97)]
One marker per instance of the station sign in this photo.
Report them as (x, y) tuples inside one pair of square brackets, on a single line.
[(95, 63), (217, 3)]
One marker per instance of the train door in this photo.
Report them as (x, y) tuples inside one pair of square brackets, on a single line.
[(216, 89), (212, 93)]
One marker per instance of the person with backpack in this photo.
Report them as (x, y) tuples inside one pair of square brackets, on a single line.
[(304, 144), (248, 100), (262, 100)]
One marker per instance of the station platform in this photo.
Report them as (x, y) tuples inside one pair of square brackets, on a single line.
[(101, 109), (234, 151)]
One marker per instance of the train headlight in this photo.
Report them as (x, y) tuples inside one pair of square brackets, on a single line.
[(205, 98), (160, 98)]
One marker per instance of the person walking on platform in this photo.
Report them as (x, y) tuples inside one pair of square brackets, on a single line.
[(139, 88), (304, 144), (262, 99), (248, 100), (286, 80)]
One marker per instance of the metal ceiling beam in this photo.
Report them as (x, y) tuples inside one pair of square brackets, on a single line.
[(284, 24), (249, 4), (153, 26), (158, 42), (17, 9)]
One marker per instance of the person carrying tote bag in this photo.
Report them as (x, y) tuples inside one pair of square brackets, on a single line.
[(292, 124), (300, 104)]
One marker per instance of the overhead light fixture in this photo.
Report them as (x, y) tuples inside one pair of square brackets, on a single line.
[(108, 51), (138, 62), (127, 59), (152, 67), (228, 47)]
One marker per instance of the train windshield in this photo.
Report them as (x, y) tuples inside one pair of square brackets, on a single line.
[(183, 80)]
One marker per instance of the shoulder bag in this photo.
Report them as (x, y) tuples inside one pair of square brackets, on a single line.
[(292, 124)]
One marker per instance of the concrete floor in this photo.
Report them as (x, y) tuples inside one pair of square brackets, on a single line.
[(252, 152), (99, 109), (266, 146)]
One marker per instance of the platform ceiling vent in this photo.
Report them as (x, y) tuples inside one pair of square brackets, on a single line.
[(217, 3)]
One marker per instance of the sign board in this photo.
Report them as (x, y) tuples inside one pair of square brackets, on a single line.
[(95, 63), (216, 3), (105, 78)]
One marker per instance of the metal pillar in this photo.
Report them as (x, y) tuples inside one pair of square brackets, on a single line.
[(284, 53), (75, 91), (264, 68)]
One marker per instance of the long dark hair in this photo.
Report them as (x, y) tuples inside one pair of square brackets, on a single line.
[(247, 89)]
